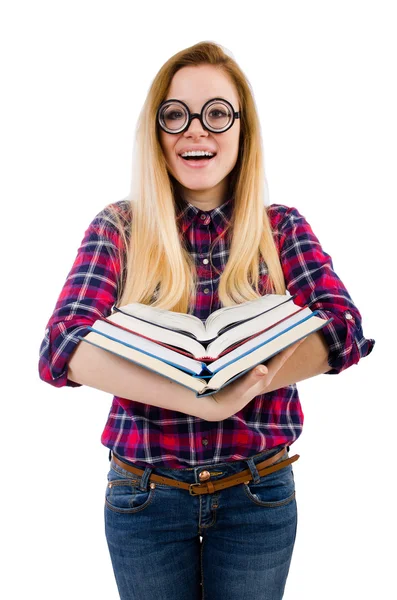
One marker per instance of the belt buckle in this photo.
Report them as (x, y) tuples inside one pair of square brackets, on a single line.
[(192, 485)]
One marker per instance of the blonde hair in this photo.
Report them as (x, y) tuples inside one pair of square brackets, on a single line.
[(157, 269)]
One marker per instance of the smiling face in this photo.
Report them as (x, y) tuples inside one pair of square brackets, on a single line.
[(204, 182)]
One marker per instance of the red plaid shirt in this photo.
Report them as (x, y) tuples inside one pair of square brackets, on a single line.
[(158, 437)]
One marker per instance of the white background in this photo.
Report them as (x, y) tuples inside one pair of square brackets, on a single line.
[(75, 75)]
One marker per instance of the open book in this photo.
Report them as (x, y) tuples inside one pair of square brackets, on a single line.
[(217, 323), (223, 328), (248, 334)]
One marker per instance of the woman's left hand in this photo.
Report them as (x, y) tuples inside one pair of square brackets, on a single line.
[(236, 396)]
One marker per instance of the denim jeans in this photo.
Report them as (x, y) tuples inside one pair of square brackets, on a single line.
[(248, 533)]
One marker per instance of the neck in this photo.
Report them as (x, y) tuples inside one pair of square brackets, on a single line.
[(206, 199)]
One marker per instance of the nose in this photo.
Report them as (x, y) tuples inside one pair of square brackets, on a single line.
[(195, 128)]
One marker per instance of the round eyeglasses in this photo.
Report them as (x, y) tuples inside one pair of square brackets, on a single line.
[(217, 116)]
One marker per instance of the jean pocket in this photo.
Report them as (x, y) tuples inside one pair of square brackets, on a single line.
[(273, 490), (123, 494)]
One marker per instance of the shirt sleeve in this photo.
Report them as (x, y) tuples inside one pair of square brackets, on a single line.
[(309, 273), (89, 292)]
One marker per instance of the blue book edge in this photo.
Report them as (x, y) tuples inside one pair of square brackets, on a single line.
[(314, 313), (204, 368)]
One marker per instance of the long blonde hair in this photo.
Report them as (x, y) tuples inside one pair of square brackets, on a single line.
[(157, 268)]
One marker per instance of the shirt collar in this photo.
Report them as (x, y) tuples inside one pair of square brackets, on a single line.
[(190, 214)]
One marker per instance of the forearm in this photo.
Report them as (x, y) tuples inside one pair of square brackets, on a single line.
[(104, 371), (308, 360)]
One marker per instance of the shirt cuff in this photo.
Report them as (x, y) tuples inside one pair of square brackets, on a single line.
[(57, 346), (345, 339)]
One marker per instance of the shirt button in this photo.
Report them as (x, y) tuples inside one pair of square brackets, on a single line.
[(206, 291), (203, 217), (205, 442), (206, 261), (348, 315)]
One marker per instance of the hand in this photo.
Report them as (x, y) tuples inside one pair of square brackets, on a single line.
[(236, 396)]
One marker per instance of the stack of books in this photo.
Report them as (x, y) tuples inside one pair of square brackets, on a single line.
[(204, 356)]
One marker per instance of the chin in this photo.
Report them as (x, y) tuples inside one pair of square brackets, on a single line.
[(199, 182), (200, 188)]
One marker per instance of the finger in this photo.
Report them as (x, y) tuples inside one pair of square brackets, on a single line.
[(261, 371), (254, 374)]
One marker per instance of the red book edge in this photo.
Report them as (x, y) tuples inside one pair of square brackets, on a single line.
[(251, 337), (175, 348)]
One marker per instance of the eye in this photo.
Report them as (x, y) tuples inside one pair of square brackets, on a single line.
[(218, 116), (173, 115), (217, 113)]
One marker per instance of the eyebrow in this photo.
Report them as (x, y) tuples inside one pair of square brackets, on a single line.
[(212, 97)]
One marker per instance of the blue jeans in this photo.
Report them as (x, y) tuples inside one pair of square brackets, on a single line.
[(248, 534)]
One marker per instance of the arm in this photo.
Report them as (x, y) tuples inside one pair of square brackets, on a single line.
[(90, 292), (308, 272), (310, 276), (93, 366), (104, 371)]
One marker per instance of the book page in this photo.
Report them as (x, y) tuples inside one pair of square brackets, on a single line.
[(228, 315), (166, 318)]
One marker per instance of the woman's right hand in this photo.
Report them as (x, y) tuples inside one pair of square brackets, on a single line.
[(236, 396)]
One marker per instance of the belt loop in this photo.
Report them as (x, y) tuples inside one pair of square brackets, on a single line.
[(145, 479), (254, 471)]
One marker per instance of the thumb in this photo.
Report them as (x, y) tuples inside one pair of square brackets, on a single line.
[(260, 371)]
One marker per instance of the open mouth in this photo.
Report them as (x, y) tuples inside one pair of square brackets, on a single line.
[(199, 157)]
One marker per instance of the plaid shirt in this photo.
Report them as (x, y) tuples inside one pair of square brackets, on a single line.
[(158, 437)]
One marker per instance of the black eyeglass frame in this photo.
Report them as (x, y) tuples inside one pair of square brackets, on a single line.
[(199, 116)]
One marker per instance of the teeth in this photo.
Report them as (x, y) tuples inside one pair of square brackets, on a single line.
[(197, 153)]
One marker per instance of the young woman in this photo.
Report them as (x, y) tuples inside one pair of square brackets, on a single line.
[(196, 235)]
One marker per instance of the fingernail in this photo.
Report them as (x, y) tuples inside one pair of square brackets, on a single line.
[(261, 370)]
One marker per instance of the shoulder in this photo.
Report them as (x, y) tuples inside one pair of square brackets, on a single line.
[(290, 229), (281, 216), (113, 221), (288, 224), (112, 215)]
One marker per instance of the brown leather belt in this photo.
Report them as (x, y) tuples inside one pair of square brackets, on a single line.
[(209, 487)]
